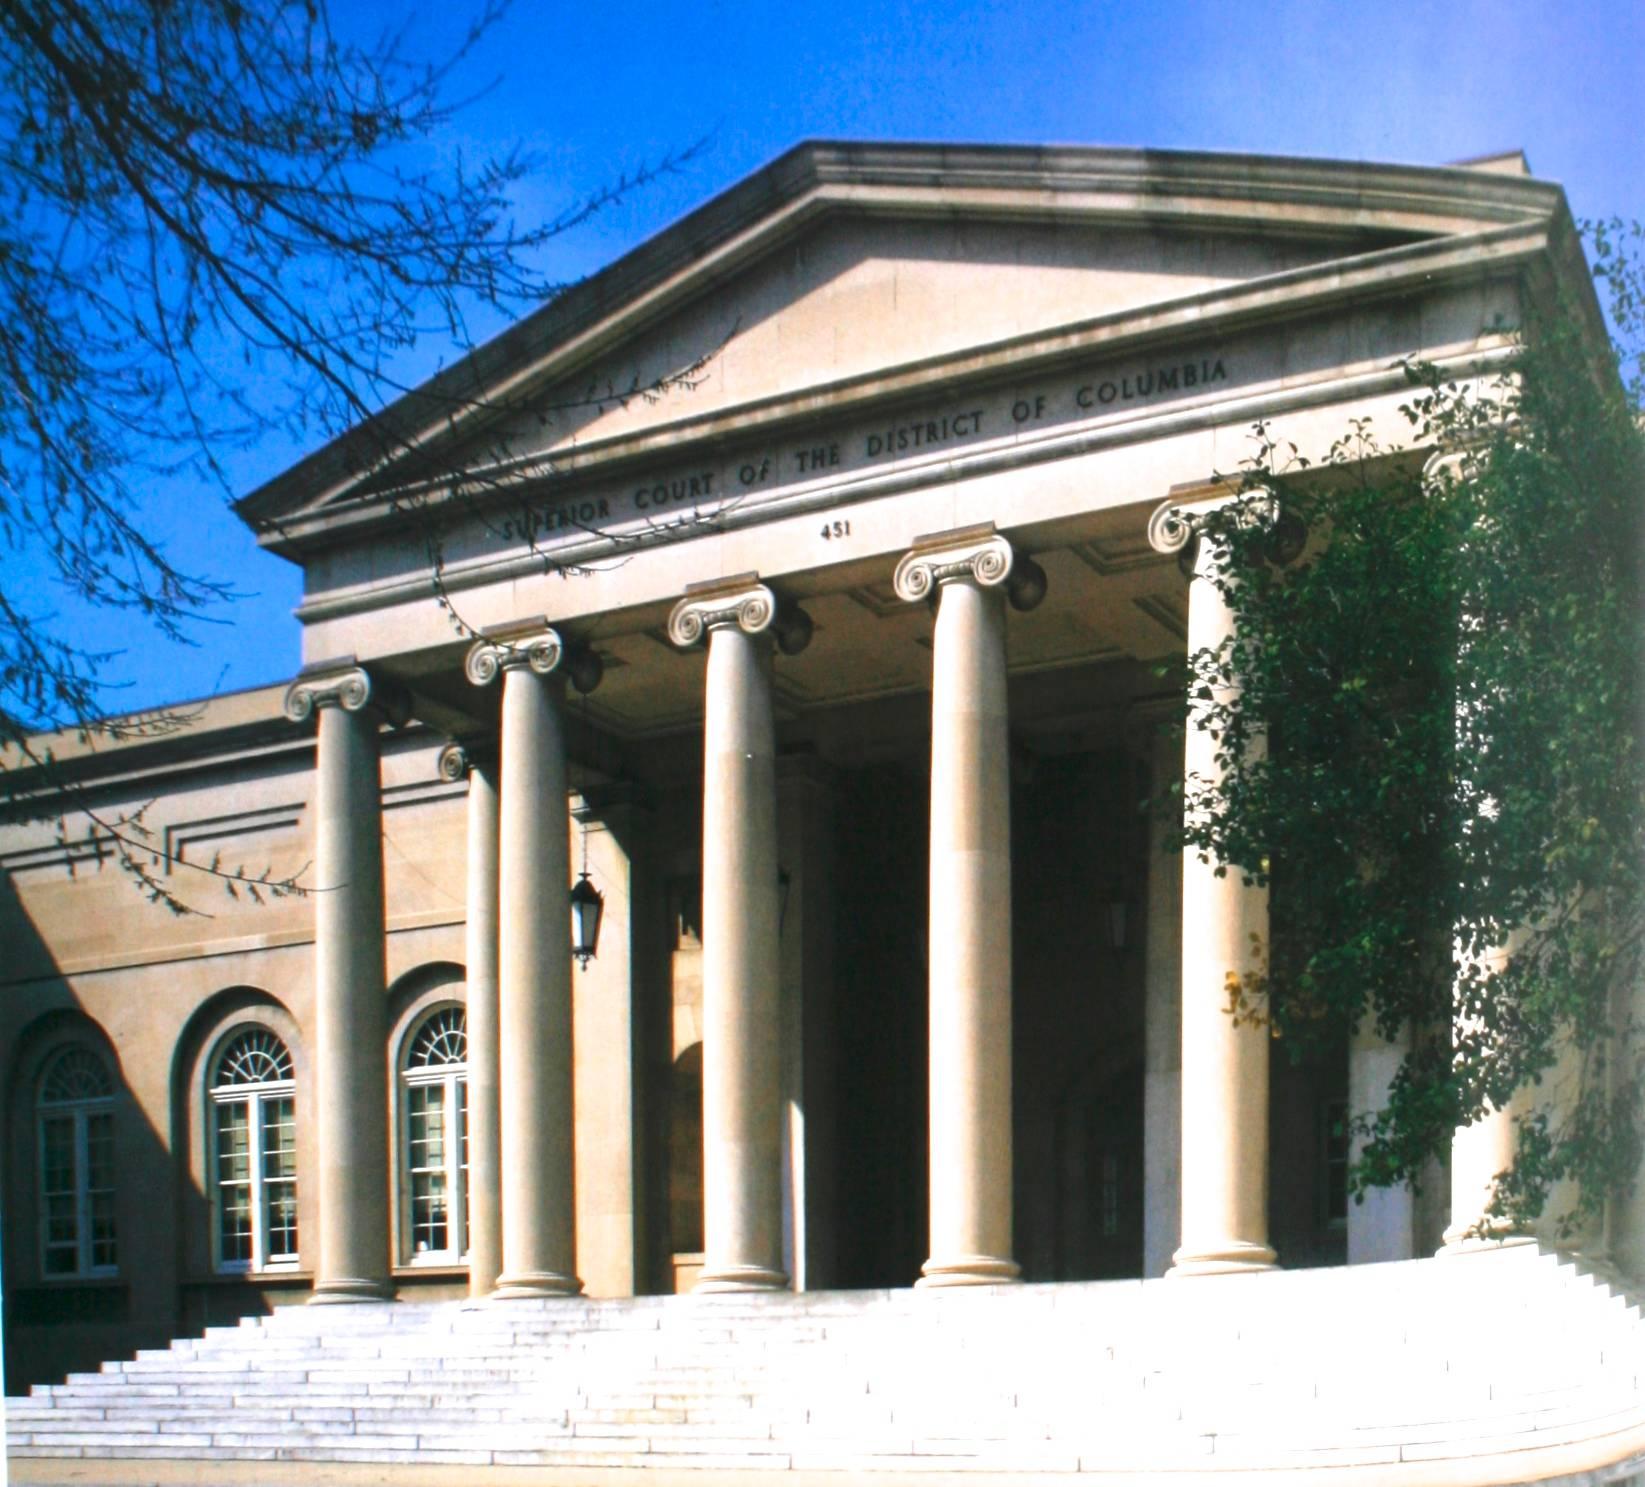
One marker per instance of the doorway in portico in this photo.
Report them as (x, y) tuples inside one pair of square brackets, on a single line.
[(1078, 844), (1078, 858), (880, 1038)]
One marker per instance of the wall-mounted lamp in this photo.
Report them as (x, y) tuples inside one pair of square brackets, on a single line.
[(587, 902)]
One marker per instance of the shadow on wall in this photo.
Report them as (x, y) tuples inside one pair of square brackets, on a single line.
[(158, 1163), (87, 1266)]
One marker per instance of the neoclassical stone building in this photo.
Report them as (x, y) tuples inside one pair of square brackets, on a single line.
[(801, 580)]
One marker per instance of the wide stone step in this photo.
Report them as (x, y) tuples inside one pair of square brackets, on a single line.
[(1436, 1361)]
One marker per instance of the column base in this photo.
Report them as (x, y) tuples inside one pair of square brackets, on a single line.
[(724, 1279), (535, 1285), (1233, 1257), (350, 1291), (968, 1270)]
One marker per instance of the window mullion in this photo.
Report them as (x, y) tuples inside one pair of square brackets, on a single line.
[(82, 1192), (254, 1163)]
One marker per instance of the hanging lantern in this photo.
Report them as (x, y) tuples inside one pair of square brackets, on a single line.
[(587, 908)]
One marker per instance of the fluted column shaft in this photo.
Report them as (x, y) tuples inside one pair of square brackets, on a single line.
[(1383, 1226), (1480, 1152), (742, 1094), (350, 1078), (539, 1240), (1224, 942)]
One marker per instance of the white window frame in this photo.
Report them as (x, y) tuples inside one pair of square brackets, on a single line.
[(257, 1099), (451, 1079), (79, 1111)]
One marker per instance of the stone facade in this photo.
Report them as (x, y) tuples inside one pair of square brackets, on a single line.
[(810, 568)]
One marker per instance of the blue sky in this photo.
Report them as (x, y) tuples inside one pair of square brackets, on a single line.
[(596, 91)]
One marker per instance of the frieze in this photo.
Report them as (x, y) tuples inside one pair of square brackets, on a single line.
[(678, 498)]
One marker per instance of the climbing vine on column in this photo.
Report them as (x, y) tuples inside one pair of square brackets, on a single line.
[(1450, 803)]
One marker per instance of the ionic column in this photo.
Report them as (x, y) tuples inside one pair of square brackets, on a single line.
[(1482, 1150), (1478, 1153), (539, 1256), (350, 1080), (1622, 1238), (1224, 922), (1383, 1226), (476, 762), (965, 573), (742, 1094)]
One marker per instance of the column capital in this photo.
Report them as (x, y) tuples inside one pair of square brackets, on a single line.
[(1454, 463), (536, 644), (461, 755), (1178, 520), (741, 600), (977, 554), (1176, 524), (347, 685)]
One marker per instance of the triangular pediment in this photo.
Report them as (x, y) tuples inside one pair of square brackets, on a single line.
[(858, 296), (839, 265)]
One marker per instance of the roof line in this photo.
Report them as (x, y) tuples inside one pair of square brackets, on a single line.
[(1140, 182)]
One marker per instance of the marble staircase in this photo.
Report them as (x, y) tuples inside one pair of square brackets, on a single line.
[(1505, 1367)]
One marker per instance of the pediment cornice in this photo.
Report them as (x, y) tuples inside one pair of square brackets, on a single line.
[(1392, 221)]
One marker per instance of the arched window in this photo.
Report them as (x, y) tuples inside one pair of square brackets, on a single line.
[(254, 1152), (434, 1082), (76, 1110)]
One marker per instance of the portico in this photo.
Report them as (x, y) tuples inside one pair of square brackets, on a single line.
[(886, 530)]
